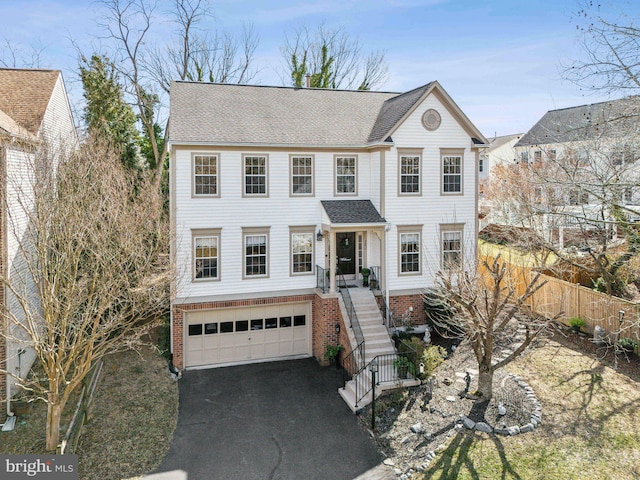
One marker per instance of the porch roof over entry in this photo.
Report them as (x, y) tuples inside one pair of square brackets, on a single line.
[(352, 212)]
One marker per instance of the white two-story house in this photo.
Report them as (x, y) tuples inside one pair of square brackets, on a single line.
[(35, 116), (274, 189)]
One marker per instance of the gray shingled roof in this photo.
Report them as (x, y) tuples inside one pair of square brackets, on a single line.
[(232, 114), (612, 118), (352, 211), (393, 110)]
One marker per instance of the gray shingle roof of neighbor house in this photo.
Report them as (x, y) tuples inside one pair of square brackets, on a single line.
[(259, 115), (611, 118), (352, 211)]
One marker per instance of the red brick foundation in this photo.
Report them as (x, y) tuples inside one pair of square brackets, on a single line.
[(400, 304), (326, 315)]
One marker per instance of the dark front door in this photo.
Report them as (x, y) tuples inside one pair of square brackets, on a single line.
[(346, 250)]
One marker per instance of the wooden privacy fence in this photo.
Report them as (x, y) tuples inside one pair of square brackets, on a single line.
[(618, 317)]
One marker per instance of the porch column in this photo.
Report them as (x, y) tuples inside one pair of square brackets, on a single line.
[(332, 261)]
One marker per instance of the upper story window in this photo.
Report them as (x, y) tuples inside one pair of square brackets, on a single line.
[(537, 157), (205, 175), (451, 171), (302, 239), (255, 175), (256, 252), (346, 175), (524, 157), (481, 161), (551, 155), (409, 172), (206, 254), (409, 250), (301, 175), (451, 253)]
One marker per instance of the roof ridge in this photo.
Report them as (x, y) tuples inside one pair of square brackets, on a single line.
[(286, 87), (594, 103)]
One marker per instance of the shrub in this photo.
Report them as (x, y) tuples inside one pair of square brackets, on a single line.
[(432, 357), (577, 323), (439, 313), (628, 344)]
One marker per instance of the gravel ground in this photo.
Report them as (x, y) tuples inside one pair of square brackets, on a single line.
[(411, 423)]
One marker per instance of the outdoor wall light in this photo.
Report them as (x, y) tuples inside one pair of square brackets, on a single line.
[(337, 328), (319, 235)]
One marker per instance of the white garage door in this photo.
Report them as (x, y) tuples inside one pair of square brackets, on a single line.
[(248, 334)]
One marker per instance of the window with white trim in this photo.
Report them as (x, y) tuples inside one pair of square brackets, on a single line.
[(409, 252), (451, 174), (346, 170), (255, 175), (206, 257), (205, 171), (410, 174), (302, 252), (302, 175), (451, 247), (481, 164), (256, 253)]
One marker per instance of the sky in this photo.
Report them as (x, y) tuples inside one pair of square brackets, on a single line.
[(500, 60)]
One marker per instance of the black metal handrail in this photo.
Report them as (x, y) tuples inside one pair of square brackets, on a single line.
[(351, 311), (374, 279), (322, 279), (390, 369)]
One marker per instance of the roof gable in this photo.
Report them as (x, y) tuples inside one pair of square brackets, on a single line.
[(25, 95)]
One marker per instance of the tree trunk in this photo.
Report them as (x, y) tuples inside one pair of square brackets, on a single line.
[(485, 382), (54, 412)]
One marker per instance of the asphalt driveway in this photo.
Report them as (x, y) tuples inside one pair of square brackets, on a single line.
[(279, 420)]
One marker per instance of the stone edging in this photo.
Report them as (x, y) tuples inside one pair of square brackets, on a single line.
[(534, 420)]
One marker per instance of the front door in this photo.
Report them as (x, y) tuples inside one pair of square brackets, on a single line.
[(346, 251)]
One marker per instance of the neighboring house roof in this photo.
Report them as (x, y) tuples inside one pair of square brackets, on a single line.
[(497, 142), (258, 115), (352, 211), (611, 118), (24, 97)]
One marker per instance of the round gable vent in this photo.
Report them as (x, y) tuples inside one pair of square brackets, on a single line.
[(431, 119)]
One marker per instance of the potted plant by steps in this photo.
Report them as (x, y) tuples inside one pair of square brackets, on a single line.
[(332, 353), (627, 345), (22, 404), (365, 272), (576, 324), (404, 366)]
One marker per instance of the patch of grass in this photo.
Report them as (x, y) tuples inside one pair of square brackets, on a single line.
[(590, 416), (134, 415)]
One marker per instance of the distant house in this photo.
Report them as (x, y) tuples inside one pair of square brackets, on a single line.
[(34, 112), (501, 151), (274, 190), (585, 160)]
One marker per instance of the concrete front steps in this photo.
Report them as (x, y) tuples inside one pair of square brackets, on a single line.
[(377, 342)]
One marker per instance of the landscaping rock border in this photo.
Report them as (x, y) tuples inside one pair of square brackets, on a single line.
[(535, 418)]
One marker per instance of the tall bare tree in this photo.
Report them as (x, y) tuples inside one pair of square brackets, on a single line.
[(190, 54), (485, 308), (16, 55), (332, 59), (95, 250)]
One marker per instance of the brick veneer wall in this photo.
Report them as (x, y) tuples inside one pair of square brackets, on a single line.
[(326, 314), (320, 328), (401, 303)]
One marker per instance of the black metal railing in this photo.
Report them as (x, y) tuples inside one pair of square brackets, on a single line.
[(323, 282), (392, 367), (374, 278), (351, 310)]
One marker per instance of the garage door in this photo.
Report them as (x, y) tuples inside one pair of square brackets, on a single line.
[(249, 334)]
